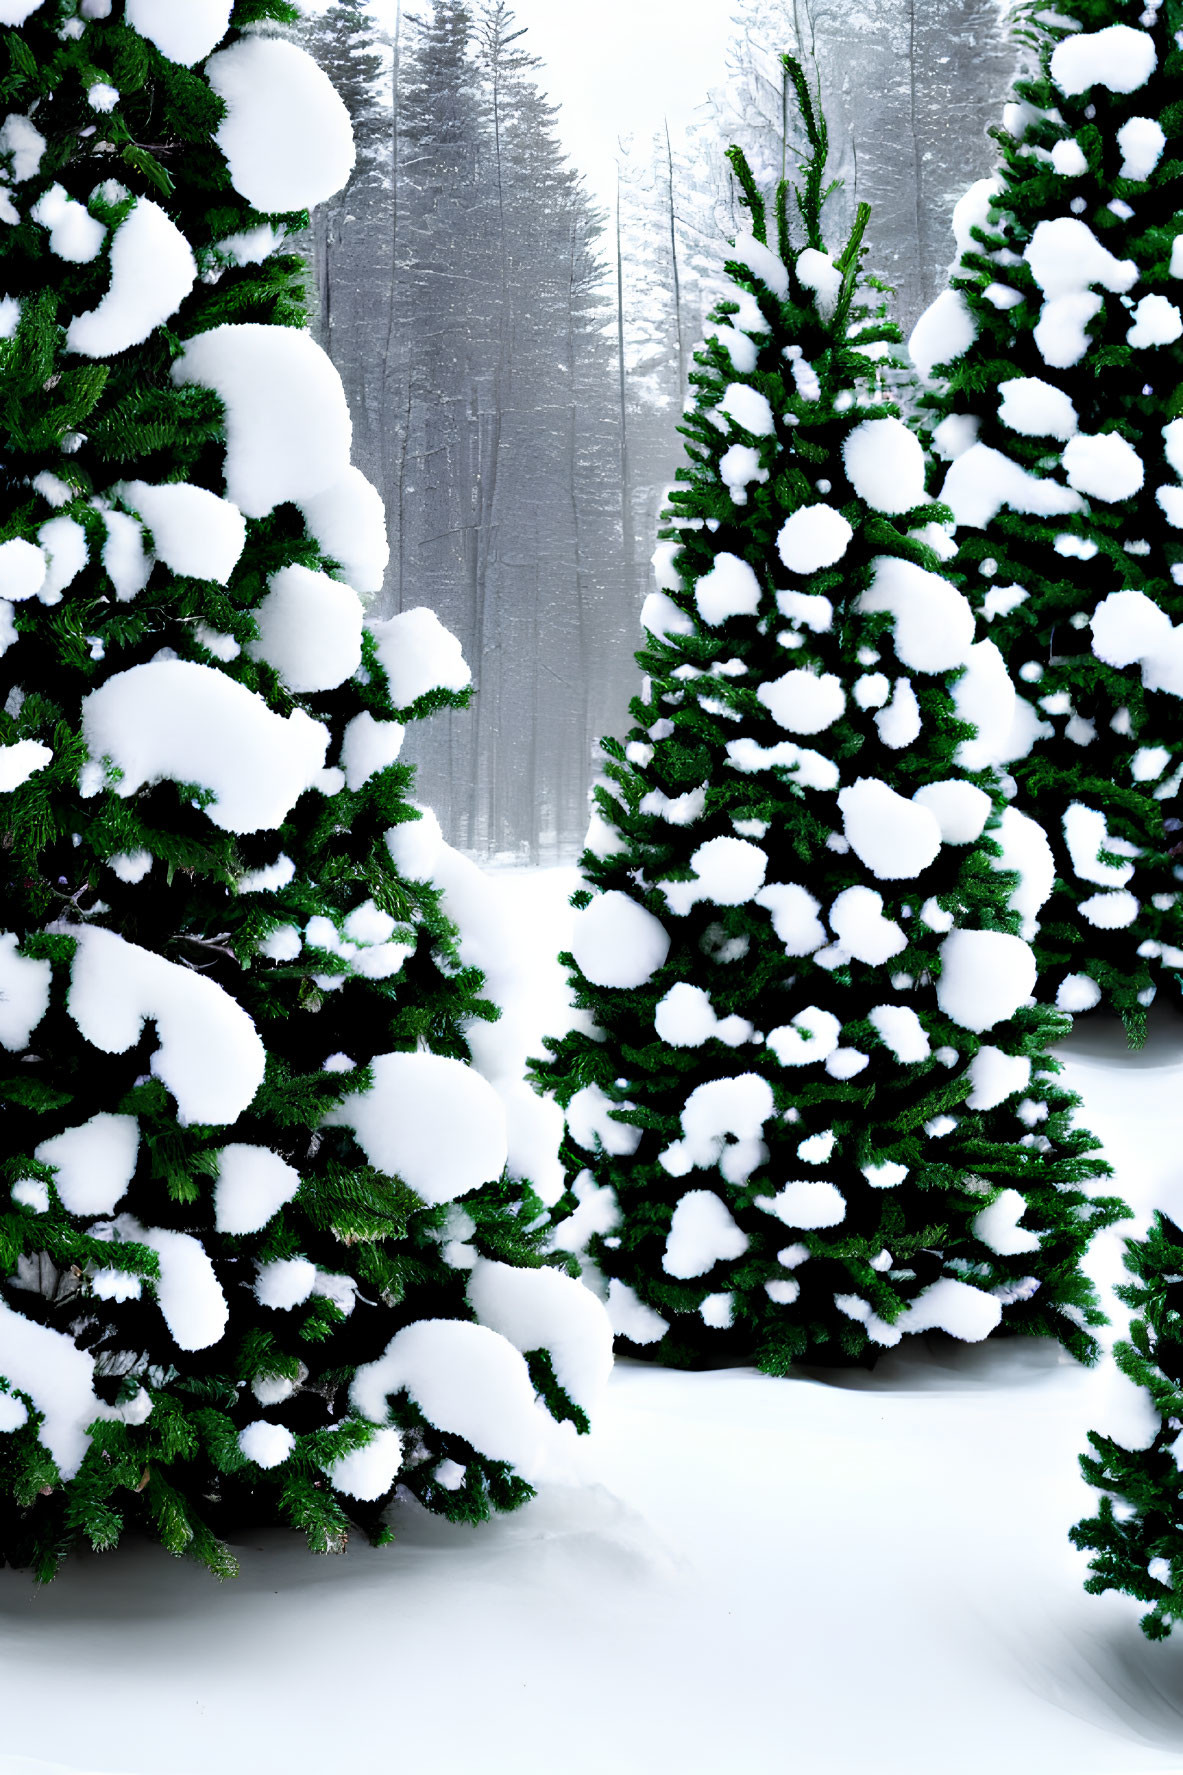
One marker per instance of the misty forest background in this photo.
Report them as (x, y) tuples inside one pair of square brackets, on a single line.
[(516, 360)]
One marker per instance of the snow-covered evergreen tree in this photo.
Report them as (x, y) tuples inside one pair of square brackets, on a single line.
[(1057, 410), (251, 1065), (1137, 1465), (810, 1103)]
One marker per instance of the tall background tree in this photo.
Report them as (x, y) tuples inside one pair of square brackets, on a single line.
[(518, 369)]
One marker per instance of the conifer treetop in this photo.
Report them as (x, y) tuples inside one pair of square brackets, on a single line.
[(810, 1107)]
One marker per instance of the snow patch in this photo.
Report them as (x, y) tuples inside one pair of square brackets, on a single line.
[(430, 1120)]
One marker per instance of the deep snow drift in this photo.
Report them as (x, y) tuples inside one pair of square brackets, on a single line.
[(833, 1575)]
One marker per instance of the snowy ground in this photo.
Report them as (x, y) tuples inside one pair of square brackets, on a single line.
[(853, 1575)]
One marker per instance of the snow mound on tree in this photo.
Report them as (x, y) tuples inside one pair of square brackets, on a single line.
[(961, 810), (897, 839), (1036, 408), (984, 696), (590, 1118), (21, 761), (819, 274), (983, 480), (288, 430), (184, 33), (24, 993), (885, 465), (955, 1307), (253, 1185), (310, 629), (1065, 257), (996, 1076), (348, 521), (617, 942), (804, 701), (152, 271), (419, 655), (188, 1292), (762, 262), (729, 588), (702, 1233), (286, 136), (794, 916), (806, 1204), (74, 234), (58, 1377), (209, 1055), (729, 872), (738, 1107), (685, 1018), (900, 1029), (1129, 627), (193, 531), (813, 1034), (1104, 466), (368, 747), (1141, 140), (267, 1445), (543, 1309), (748, 409), (933, 623), (22, 569), (64, 541), (1156, 322), (985, 977), (1117, 57), (857, 919), (367, 1473), (430, 1120), (944, 332), (467, 1381), (173, 719), (814, 537), (94, 1163)]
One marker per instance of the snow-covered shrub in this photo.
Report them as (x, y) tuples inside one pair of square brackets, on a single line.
[(269, 1243), (810, 1103), (1053, 362), (1136, 1461)]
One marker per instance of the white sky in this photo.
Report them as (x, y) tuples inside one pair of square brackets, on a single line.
[(617, 67)]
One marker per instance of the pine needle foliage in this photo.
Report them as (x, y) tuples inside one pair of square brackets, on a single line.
[(230, 909), (1062, 343), (759, 1165), (1137, 1533)]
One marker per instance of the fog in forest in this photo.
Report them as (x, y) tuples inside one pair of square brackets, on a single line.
[(516, 353)]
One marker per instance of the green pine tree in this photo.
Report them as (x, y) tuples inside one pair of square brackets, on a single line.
[(238, 1090), (810, 1106), (1058, 407), (1137, 1533)]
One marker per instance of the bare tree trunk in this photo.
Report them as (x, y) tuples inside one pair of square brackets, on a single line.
[(674, 263), (628, 541), (393, 431)]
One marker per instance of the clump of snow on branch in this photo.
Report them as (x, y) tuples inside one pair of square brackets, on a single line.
[(209, 1055), (288, 430), (173, 719), (286, 136), (430, 1120), (152, 271)]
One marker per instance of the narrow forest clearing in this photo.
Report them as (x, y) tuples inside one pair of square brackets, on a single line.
[(830, 1575)]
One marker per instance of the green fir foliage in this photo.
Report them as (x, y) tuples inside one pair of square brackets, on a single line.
[(781, 1142), (1097, 154), (155, 869), (1137, 1533)]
